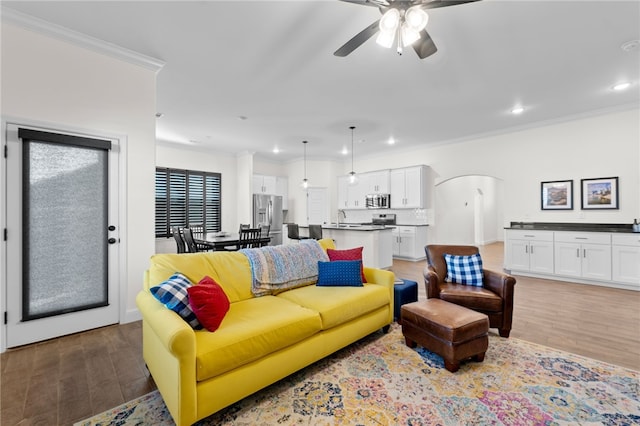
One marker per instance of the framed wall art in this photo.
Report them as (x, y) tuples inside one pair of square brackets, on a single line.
[(600, 193), (556, 195)]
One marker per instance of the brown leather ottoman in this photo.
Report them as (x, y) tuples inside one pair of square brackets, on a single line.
[(451, 331)]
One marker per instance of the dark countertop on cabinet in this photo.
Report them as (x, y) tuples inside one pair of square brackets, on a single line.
[(575, 227)]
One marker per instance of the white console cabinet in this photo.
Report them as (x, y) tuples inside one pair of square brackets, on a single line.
[(625, 257), (530, 251), (600, 258), (583, 255)]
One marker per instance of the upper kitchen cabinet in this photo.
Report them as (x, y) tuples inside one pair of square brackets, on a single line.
[(350, 196), (408, 187), (263, 184), (375, 182)]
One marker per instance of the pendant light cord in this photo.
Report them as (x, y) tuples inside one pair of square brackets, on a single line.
[(352, 129)]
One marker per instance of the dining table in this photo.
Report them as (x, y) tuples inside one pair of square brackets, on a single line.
[(223, 240)]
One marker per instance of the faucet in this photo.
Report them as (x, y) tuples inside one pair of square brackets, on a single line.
[(344, 216)]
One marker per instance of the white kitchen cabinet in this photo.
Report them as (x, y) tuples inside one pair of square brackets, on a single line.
[(530, 251), (409, 242), (375, 182), (625, 259), (263, 184), (583, 255), (407, 187), (282, 189), (350, 196)]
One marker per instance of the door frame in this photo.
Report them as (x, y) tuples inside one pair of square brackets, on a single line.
[(121, 276)]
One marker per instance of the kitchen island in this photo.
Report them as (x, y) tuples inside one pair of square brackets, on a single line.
[(376, 241)]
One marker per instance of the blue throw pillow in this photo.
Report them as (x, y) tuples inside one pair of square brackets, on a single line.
[(464, 269), (340, 273), (173, 294)]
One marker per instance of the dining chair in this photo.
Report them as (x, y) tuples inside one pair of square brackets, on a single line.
[(249, 238), (188, 239), (293, 232), (315, 232), (264, 232), (197, 232), (177, 235)]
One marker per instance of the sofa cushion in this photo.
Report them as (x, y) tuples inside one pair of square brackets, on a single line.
[(208, 301), (338, 305), (280, 268), (476, 298), (229, 269), (464, 269), (172, 293), (252, 329), (340, 273), (348, 254)]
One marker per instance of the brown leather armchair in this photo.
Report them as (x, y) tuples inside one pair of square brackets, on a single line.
[(494, 298)]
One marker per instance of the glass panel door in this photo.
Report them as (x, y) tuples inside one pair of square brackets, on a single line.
[(62, 257)]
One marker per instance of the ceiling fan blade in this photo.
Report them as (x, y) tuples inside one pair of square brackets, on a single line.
[(358, 39), (434, 4), (424, 46), (374, 3)]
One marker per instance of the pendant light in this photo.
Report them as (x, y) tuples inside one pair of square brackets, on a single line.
[(353, 179), (305, 182)]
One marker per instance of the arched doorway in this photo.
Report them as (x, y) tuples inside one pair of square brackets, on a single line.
[(469, 210)]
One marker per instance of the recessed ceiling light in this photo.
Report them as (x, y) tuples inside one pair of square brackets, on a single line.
[(344, 151), (391, 141), (242, 117), (159, 114), (276, 150), (630, 45), (517, 110), (622, 86)]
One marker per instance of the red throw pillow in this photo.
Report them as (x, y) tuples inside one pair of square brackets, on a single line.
[(209, 302), (349, 254)]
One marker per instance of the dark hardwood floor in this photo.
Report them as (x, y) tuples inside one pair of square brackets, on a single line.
[(65, 380)]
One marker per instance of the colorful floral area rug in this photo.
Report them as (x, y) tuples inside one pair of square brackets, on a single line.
[(380, 381)]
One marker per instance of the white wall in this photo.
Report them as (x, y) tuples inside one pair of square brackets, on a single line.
[(600, 146), (460, 205), (45, 80)]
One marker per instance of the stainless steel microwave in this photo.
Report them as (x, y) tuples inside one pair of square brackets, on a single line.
[(378, 201)]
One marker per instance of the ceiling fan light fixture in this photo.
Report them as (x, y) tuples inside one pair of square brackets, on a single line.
[(385, 38), (416, 18), (388, 26), (390, 20), (409, 35)]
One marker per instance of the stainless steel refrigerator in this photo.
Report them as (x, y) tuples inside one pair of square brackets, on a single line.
[(267, 210)]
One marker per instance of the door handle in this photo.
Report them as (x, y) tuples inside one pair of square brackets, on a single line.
[(112, 241)]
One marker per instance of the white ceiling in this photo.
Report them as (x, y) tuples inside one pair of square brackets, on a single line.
[(272, 62)]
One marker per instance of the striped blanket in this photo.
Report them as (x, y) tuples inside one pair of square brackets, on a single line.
[(278, 268)]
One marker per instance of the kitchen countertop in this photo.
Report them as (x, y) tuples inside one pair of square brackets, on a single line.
[(353, 227), (577, 227)]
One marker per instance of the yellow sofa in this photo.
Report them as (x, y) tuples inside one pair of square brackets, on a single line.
[(261, 339)]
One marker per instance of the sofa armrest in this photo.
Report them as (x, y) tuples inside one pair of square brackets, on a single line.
[(379, 276), (383, 278), (431, 282), (171, 330)]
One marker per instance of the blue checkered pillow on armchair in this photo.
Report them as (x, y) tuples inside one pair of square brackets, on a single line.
[(464, 269)]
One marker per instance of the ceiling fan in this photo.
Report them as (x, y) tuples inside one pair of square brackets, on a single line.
[(402, 19)]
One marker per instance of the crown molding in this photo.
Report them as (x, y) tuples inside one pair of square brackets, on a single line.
[(79, 39)]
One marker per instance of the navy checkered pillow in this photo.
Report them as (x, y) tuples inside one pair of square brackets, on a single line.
[(464, 269), (172, 293)]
